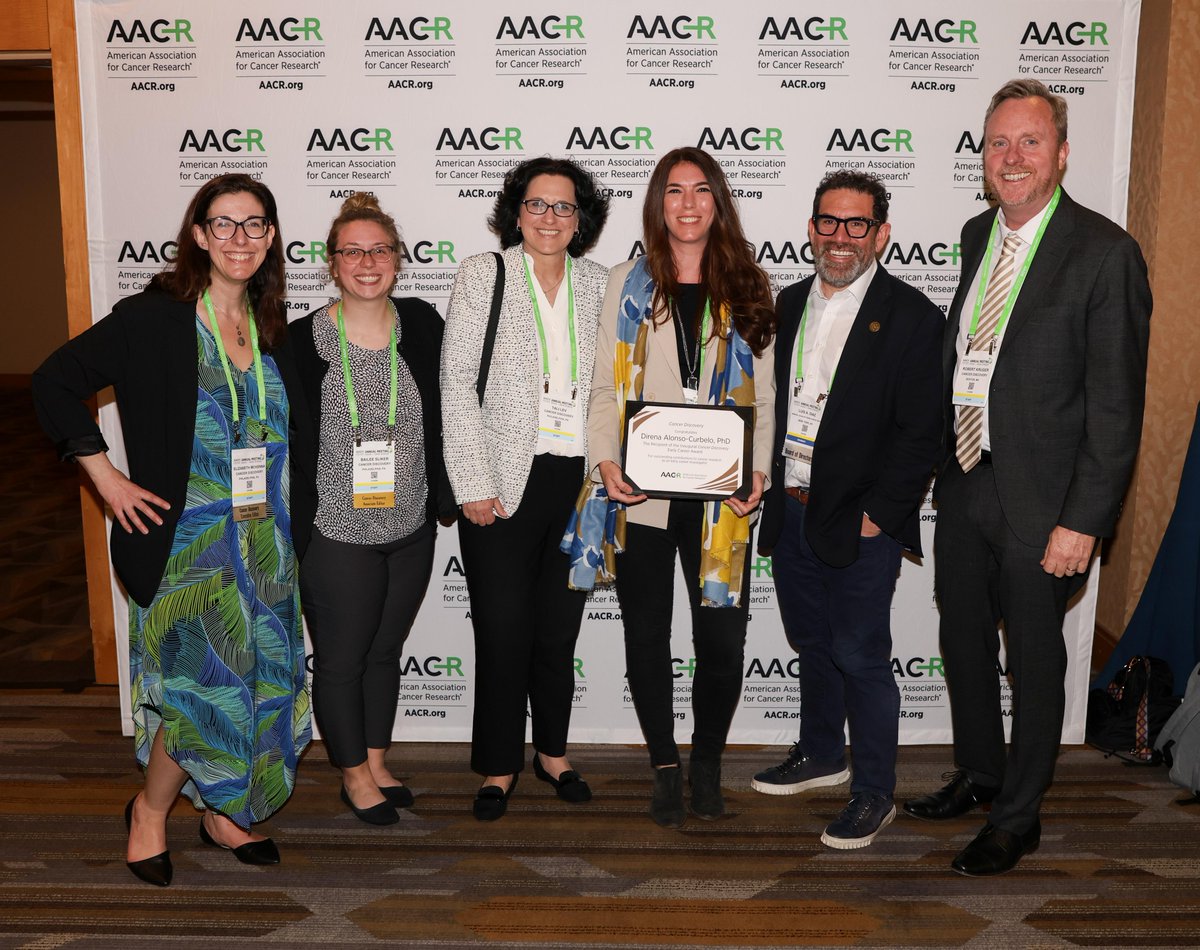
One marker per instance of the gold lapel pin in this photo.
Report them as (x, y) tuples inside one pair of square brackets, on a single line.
[(874, 326)]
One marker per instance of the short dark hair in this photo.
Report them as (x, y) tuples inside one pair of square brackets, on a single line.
[(190, 274), (593, 206), (862, 182), (1031, 89)]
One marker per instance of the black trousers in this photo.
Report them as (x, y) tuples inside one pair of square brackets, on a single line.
[(985, 574), (526, 620), (360, 601), (645, 585)]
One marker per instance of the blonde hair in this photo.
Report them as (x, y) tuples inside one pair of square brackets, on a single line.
[(362, 206)]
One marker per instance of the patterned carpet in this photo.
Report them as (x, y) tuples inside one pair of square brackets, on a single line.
[(1119, 864)]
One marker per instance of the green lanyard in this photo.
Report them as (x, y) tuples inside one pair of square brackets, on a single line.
[(348, 379), (537, 316), (258, 370), (985, 269), (800, 356)]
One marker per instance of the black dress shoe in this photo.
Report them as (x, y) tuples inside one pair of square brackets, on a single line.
[(704, 777), (252, 852), (383, 813), (666, 801), (398, 796), (569, 786), (156, 870), (995, 851), (491, 801), (957, 798)]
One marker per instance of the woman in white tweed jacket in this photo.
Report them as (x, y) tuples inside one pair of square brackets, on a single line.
[(516, 463)]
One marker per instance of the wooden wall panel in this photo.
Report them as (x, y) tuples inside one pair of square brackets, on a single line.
[(24, 26)]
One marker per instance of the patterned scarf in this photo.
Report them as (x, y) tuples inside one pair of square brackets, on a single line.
[(596, 532)]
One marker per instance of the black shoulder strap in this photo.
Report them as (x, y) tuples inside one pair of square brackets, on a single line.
[(489, 337)]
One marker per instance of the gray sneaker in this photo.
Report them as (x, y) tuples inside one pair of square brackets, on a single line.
[(859, 822), (798, 773)]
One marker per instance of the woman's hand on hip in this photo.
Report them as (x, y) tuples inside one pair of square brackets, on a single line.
[(614, 483), (129, 502), (483, 512)]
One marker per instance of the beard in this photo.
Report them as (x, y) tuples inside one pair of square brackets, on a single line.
[(842, 272)]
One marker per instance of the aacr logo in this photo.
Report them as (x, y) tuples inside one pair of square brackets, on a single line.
[(936, 254), (815, 28), (552, 27), (773, 253), (314, 252), (231, 140), (159, 31), (426, 252), (160, 254), (881, 140), (966, 142), (490, 139), (680, 28), (918, 667), (942, 31), (432, 666), (1076, 34), (619, 137), (359, 140), (290, 29), (751, 139), (419, 28)]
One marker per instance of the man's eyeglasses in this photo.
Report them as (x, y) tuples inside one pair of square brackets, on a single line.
[(223, 228), (561, 209), (827, 225)]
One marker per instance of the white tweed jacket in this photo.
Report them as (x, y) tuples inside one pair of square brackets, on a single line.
[(489, 449)]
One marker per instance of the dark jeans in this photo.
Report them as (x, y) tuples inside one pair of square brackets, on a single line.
[(839, 621), (360, 601), (645, 584), (526, 620), (985, 574)]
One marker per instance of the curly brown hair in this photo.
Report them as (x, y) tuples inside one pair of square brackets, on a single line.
[(729, 275)]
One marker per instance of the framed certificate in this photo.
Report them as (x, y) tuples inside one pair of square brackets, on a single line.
[(675, 450)]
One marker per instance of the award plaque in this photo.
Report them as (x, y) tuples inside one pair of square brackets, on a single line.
[(674, 450)]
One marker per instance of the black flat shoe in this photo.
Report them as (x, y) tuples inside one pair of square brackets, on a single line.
[(252, 852), (491, 801), (956, 798), (156, 870), (398, 796), (995, 851), (569, 786), (382, 814)]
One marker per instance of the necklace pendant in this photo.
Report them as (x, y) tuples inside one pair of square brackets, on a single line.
[(693, 383)]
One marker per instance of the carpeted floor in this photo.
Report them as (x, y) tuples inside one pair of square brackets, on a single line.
[(1119, 864)]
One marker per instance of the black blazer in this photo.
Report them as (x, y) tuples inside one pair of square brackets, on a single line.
[(1068, 389), (303, 372), (146, 350), (881, 431)]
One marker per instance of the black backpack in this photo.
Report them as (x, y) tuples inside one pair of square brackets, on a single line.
[(1179, 741), (1125, 718)]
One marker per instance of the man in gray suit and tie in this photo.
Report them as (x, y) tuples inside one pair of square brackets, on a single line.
[(1045, 370)]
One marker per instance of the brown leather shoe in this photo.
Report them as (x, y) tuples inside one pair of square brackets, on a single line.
[(956, 798), (995, 851)]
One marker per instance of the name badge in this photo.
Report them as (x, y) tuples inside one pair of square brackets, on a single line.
[(804, 419), (560, 419), (248, 475), (973, 378), (375, 474)]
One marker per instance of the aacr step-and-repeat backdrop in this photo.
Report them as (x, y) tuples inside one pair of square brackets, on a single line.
[(428, 103)]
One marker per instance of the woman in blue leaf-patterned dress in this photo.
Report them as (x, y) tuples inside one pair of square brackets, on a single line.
[(202, 539)]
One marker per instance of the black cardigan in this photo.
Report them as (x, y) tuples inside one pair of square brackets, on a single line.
[(146, 350), (303, 372)]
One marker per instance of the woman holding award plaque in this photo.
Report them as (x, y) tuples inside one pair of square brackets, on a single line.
[(368, 487), (516, 371), (690, 324), (200, 525)]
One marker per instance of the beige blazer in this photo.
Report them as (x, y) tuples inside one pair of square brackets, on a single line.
[(662, 384)]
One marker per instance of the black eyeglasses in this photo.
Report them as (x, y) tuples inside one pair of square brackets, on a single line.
[(380, 253), (561, 209), (223, 228), (827, 225)]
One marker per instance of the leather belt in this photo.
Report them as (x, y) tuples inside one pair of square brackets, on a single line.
[(800, 494)]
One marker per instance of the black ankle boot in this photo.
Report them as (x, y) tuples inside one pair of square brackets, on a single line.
[(666, 802), (704, 777)]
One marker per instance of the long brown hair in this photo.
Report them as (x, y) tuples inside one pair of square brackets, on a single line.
[(190, 275), (728, 274)]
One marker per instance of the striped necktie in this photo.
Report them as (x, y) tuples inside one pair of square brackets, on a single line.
[(970, 418)]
